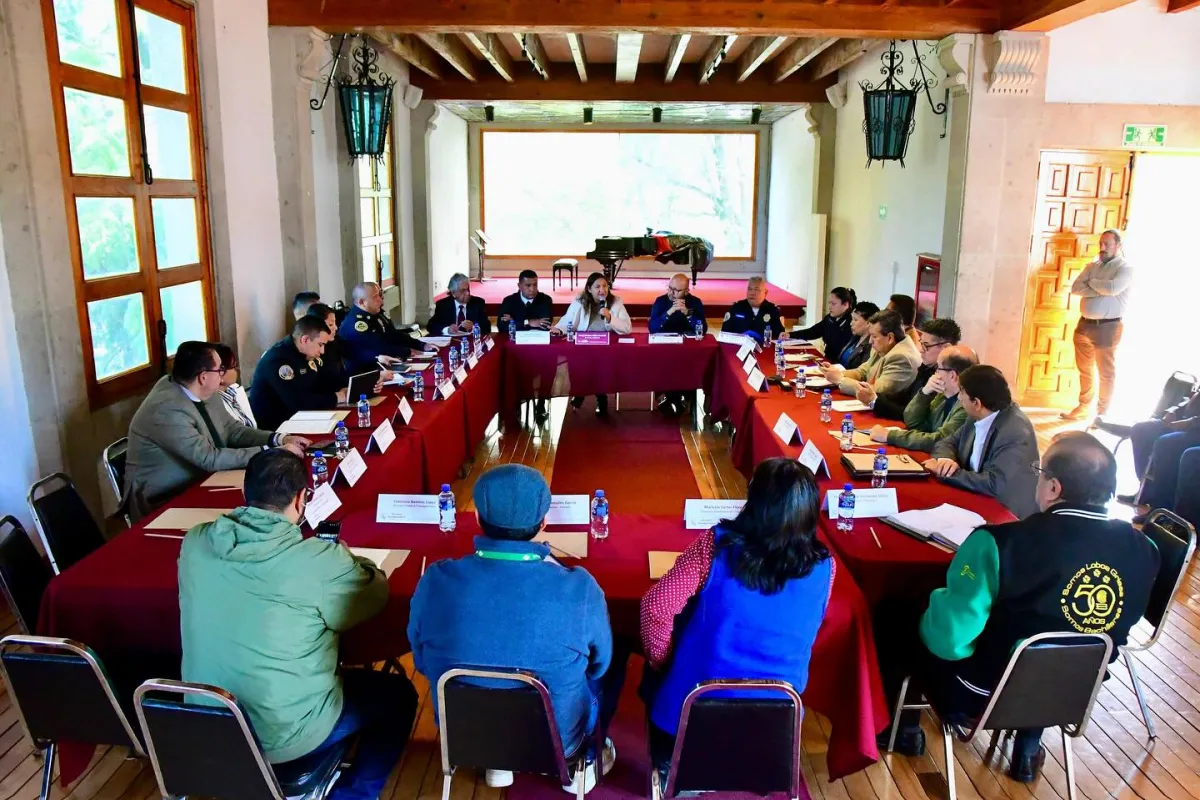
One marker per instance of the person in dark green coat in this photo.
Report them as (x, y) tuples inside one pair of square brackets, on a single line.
[(934, 412)]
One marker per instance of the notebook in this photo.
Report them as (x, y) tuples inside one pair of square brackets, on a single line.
[(861, 465), (946, 524)]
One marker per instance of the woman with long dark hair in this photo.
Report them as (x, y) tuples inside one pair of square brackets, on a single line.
[(745, 600), (834, 327), (858, 349), (596, 309)]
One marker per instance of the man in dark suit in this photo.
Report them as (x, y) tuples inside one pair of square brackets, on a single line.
[(458, 312), (755, 316), (527, 307), (677, 311), (367, 333), (991, 454)]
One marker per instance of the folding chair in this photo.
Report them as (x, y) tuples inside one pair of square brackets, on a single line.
[(61, 693), (735, 744), (113, 461), (1051, 681), (64, 523), (24, 576), (208, 748), (1177, 388), (504, 728), (1175, 539)]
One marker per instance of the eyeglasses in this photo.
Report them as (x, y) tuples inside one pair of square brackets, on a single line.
[(219, 370), (944, 369), (930, 345), (1039, 471)]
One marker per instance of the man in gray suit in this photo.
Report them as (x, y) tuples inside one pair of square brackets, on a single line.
[(892, 367), (994, 452), (181, 432)]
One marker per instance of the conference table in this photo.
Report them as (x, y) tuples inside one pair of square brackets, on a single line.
[(122, 600)]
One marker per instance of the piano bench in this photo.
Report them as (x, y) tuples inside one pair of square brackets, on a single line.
[(568, 265)]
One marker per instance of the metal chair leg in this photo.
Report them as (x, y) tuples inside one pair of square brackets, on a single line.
[(992, 744), (1069, 758), (581, 776), (447, 778), (48, 770), (1137, 688), (948, 738), (891, 745)]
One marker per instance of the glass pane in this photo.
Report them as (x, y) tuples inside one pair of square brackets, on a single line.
[(384, 170), (107, 237), (96, 133), (365, 181), (387, 271), (118, 334), (160, 52), (384, 206), (367, 210), (87, 34), (169, 143), (175, 240), (183, 311), (370, 267)]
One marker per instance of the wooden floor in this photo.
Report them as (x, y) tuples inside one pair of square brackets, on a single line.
[(1114, 758)]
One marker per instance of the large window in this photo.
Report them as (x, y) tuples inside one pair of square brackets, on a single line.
[(375, 201), (552, 193), (129, 138)]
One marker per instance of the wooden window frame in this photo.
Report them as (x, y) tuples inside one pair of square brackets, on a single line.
[(378, 240), (148, 280)]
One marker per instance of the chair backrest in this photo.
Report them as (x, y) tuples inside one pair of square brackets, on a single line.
[(68, 530), (738, 744), (201, 743), (1051, 681), (62, 693), (471, 714), (24, 575), (1177, 389), (113, 459), (1175, 539)]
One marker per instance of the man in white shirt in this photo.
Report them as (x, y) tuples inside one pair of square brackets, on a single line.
[(1104, 286)]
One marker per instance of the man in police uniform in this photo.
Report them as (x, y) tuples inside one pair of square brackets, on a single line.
[(1068, 568), (367, 333), (755, 316)]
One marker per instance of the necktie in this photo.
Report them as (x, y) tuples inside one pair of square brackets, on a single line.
[(461, 315), (212, 429)]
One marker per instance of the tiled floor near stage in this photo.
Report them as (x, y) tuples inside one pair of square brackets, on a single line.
[(1114, 759)]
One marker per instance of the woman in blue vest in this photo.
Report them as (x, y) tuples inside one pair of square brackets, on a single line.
[(745, 600)]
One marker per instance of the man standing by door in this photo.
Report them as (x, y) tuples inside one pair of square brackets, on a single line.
[(1104, 286)]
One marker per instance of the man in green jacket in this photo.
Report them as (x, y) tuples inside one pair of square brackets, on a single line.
[(934, 412), (261, 609)]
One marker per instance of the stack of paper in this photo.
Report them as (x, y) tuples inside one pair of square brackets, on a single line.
[(947, 524), (791, 343), (315, 422), (846, 406), (436, 341)]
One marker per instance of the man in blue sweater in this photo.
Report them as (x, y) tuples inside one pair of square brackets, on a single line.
[(511, 604)]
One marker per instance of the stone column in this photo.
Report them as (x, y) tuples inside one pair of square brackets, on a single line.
[(955, 53)]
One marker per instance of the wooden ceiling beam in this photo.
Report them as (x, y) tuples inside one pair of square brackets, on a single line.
[(411, 49), (792, 17), (575, 43), (493, 52), (1175, 6), (448, 46), (535, 54), (1046, 15), (758, 53), (679, 44), (629, 50), (842, 54), (715, 55), (800, 53)]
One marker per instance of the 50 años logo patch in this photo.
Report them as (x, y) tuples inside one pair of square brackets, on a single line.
[(1093, 599)]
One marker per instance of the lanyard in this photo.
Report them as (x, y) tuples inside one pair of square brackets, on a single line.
[(498, 555)]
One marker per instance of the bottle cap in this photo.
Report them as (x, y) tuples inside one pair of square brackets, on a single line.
[(827, 391), (599, 493), (362, 397), (318, 454), (340, 424), (445, 487), (881, 451), (846, 417), (849, 487)]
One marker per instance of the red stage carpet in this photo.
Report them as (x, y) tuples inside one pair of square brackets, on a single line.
[(639, 294)]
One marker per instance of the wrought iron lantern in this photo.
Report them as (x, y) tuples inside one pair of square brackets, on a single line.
[(889, 108), (366, 99)]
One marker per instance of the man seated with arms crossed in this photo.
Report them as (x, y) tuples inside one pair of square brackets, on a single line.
[(677, 311), (755, 316), (290, 377), (992, 454), (181, 432), (892, 366), (261, 609), (529, 308), (511, 604), (367, 335), (458, 311), (935, 335), (1045, 574), (934, 413), (302, 302)]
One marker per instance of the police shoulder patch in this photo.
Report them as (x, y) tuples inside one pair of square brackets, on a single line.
[(285, 373), (361, 326)]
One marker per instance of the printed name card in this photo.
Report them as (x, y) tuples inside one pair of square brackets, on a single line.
[(489, 343), (472, 362), (704, 514), (785, 429), (324, 502), (757, 381), (352, 467), (811, 457), (745, 350), (413, 509), (460, 375), (446, 389), (626, 340), (734, 338), (867, 503), (749, 364), (404, 410), (666, 338), (382, 437), (533, 337), (591, 337), (569, 509)]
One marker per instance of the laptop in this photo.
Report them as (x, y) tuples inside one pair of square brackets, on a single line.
[(862, 465)]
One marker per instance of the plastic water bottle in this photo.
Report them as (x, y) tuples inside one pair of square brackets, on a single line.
[(447, 516), (320, 470), (779, 355), (699, 326), (454, 361), (800, 387), (879, 471), (418, 389), (341, 440), (439, 372), (364, 412), (847, 434), (826, 406), (464, 347), (599, 515), (571, 332), (476, 338), (512, 328), (845, 519)]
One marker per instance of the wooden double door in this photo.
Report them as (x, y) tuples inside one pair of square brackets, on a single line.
[(1080, 195)]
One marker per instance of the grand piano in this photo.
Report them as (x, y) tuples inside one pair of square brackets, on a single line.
[(665, 247)]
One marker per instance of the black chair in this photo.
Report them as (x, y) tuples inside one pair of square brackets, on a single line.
[(62, 693), (208, 748), (735, 744), (506, 728), (113, 461), (1051, 681), (567, 265), (1175, 539), (66, 526), (1176, 390), (24, 575)]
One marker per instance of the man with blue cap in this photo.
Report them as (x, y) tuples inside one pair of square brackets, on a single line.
[(511, 604)]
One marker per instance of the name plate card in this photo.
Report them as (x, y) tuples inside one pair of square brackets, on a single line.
[(591, 337), (734, 338), (785, 429), (472, 362), (382, 437), (626, 340), (324, 502), (569, 509), (446, 389), (460, 375), (533, 337), (704, 514), (666, 338), (868, 503), (351, 469), (489, 343), (749, 364), (811, 457), (757, 381), (745, 350), (404, 410), (414, 509)]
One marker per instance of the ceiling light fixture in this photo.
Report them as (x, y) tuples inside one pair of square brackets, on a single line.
[(658, 114), (889, 107), (489, 113), (587, 115)]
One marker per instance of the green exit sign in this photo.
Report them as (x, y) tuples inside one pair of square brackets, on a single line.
[(1145, 135)]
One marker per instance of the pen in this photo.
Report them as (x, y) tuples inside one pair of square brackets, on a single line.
[(876, 538), (423, 559)]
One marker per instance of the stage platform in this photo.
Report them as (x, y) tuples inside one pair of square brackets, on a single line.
[(639, 295)]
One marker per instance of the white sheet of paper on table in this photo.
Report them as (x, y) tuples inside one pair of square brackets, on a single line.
[(700, 514), (323, 503), (946, 522), (812, 458), (790, 344), (816, 383), (320, 416), (565, 544), (661, 562), (868, 503), (351, 467), (489, 343), (533, 337), (436, 341), (182, 519), (225, 479), (303, 427), (860, 439), (569, 509), (424, 365), (411, 509), (847, 406), (387, 560)]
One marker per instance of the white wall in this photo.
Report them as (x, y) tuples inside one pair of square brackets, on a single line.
[(1135, 54), (21, 463), (795, 244), (878, 257), (448, 212)]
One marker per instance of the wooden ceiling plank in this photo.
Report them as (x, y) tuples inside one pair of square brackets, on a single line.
[(715, 55), (758, 53), (1046, 15), (800, 53), (842, 54), (411, 49), (488, 45), (535, 54), (575, 43), (679, 44), (1175, 6), (629, 49), (448, 46)]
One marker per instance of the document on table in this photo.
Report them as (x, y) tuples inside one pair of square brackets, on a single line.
[(816, 383), (413, 509), (436, 341), (303, 427), (861, 439), (335, 416), (661, 562), (408, 367), (182, 519), (846, 406), (946, 524), (867, 503), (797, 358), (225, 479), (387, 560), (700, 514), (566, 544), (569, 509)]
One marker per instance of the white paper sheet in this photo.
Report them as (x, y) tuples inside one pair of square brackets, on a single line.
[(847, 406), (405, 410), (436, 341), (756, 380), (382, 437), (182, 519), (946, 523), (666, 338), (387, 560), (304, 427)]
